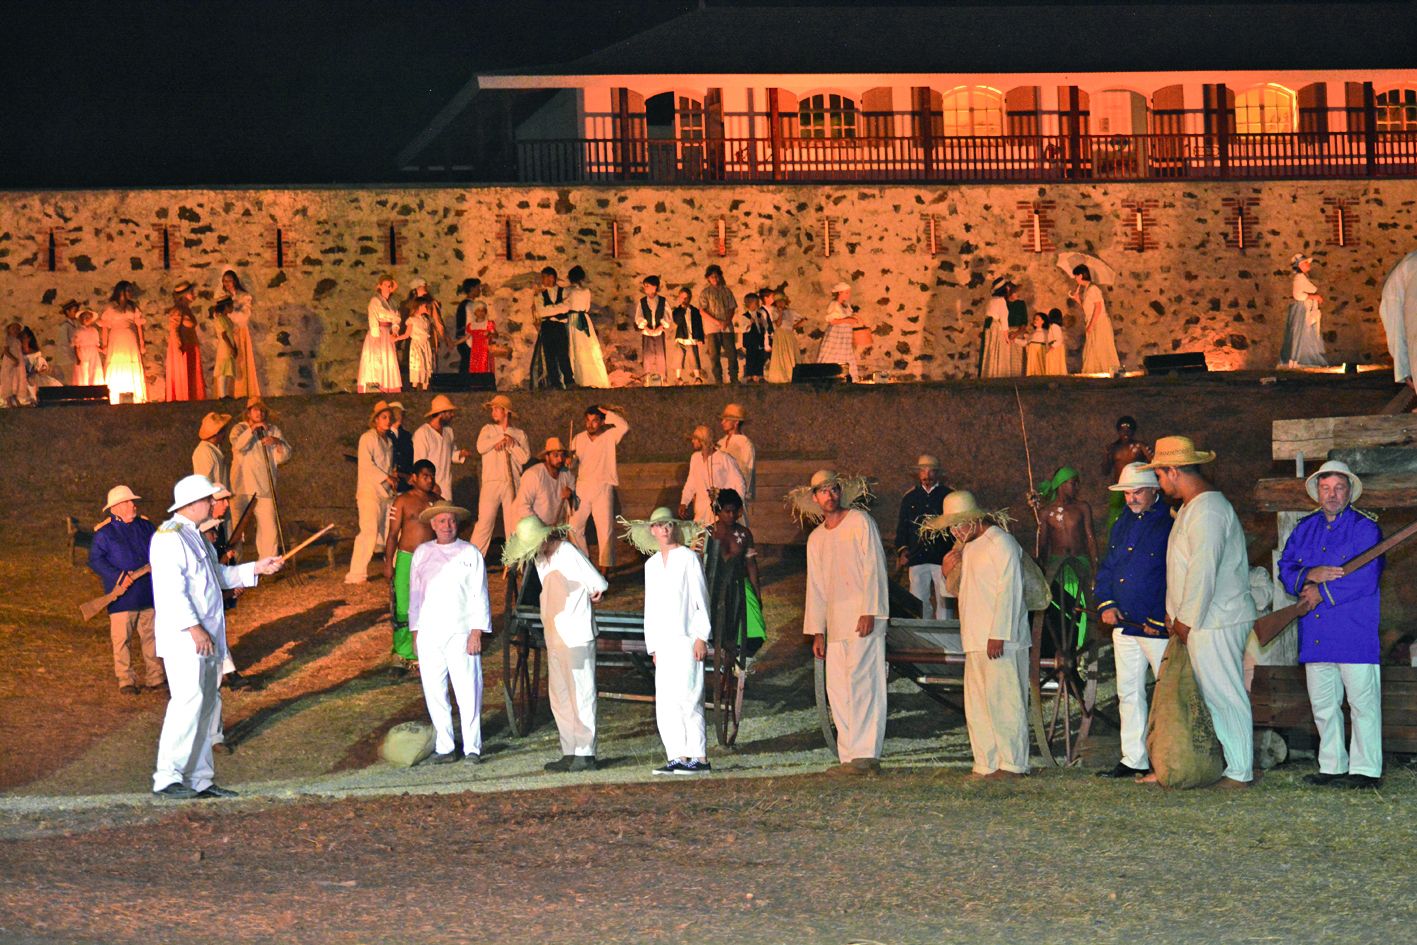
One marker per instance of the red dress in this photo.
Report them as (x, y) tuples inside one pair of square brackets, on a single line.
[(185, 380), (479, 346)]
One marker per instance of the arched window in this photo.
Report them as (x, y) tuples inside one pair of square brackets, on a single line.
[(975, 110), (827, 115), (1264, 109), (1397, 110)]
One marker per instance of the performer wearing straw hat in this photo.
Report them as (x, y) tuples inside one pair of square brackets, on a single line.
[(922, 554), (1130, 592), (677, 629), (570, 584), (190, 626), (848, 604), (504, 451), (434, 441), (120, 547), (1208, 604), (450, 612), (993, 628), (548, 489), (1338, 636), (709, 471), (208, 459), (374, 490), (597, 476), (736, 444), (257, 448)]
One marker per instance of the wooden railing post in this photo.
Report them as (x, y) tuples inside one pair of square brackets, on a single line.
[(774, 134), (1222, 129), (1074, 133), (623, 135), (1370, 129), (927, 131)]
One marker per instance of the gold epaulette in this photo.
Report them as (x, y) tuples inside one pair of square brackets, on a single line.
[(171, 526), (1370, 516)]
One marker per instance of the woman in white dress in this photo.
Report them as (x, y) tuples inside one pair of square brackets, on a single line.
[(785, 352), (247, 383), (587, 360), (378, 361), (124, 344), (420, 346), (1099, 348), (1000, 357), (838, 346), (1303, 344), (88, 350)]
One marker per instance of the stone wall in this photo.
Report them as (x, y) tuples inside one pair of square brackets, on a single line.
[(1187, 288)]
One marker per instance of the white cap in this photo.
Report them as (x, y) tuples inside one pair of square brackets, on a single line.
[(1135, 476), (191, 489), (120, 494), (841, 287)]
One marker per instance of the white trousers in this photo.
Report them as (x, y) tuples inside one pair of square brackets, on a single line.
[(373, 511), (856, 691), (996, 709), (184, 749), (491, 497), (925, 578), (1328, 682), (267, 532), (597, 502), (570, 688), (1217, 658), (443, 661), (679, 700), (1132, 655)]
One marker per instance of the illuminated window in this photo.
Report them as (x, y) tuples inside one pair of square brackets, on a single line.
[(827, 116), (1397, 110), (973, 111), (691, 119), (1266, 109)]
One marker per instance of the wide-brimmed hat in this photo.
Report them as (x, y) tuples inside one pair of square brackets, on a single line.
[(1178, 451), (86, 314), (501, 400), (1297, 258), (553, 445), (380, 406), (527, 538), (1135, 476), (855, 493), (191, 489), (222, 492), (442, 506), (256, 401), (926, 461), (441, 404), (841, 287), (212, 424), (120, 494), (397, 406), (180, 287), (1000, 282), (1334, 467), (961, 508), (734, 412), (638, 534)]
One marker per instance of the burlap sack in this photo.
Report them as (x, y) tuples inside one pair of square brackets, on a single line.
[(1179, 735), (407, 744), (1036, 593)]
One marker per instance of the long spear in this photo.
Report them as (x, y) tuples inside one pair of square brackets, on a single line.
[(1028, 461)]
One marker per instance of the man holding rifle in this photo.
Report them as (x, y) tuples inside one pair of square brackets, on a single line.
[(1338, 629), (120, 547)]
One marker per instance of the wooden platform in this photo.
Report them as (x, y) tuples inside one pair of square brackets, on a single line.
[(1315, 436), (1380, 491), (1279, 699)]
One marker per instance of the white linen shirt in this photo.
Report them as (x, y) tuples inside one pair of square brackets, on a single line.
[(595, 458), (742, 449), (447, 590), (676, 599), (1398, 310), (573, 619), (495, 467), (1207, 568), (719, 471), (250, 473), (540, 493), (187, 586), (208, 460), (376, 460), (991, 593), (846, 577), (437, 448)]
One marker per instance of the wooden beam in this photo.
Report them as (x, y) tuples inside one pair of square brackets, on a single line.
[(1401, 402), (1380, 491), (1314, 437)]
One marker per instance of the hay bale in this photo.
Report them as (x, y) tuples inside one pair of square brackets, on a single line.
[(407, 744), (1180, 737)]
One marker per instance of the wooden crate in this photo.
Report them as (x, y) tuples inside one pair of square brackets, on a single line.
[(1279, 699)]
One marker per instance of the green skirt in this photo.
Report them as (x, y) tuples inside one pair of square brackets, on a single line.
[(403, 637)]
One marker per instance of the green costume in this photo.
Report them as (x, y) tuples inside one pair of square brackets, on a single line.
[(403, 636)]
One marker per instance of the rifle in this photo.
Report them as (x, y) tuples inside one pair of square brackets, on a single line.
[(239, 529), (90, 609), (1272, 624)]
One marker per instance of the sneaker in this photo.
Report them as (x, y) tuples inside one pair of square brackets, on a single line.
[(672, 767), (1123, 771), (214, 791), (1322, 777), (442, 758), (176, 791), (693, 767), (582, 763), (1360, 781), (560, 764), (472, 758)]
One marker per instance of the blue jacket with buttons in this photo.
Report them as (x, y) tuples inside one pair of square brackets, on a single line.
[(1132, 577), (120, 546), (1343, 628)]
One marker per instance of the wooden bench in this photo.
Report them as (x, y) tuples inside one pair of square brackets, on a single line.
[(79, 537), (1279, 699)]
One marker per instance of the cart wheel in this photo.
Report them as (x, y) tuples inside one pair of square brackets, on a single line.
[(1065, 683), (728, 684), (521, 668), (824, 712)]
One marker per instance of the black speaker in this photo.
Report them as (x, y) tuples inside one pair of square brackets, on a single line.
[(819, 376), (73, 394), (1186, 362), (456, 382)]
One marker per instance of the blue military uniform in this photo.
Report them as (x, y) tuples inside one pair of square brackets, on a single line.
[(120, 547)]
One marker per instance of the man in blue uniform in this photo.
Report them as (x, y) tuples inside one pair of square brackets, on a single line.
[(1338, 636), (923, 555), (120, 547), (1131, 596)]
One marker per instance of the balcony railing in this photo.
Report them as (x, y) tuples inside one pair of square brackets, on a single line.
[(1032, 158)]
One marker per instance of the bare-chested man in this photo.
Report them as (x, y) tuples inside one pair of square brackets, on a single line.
[(1116, 455), (736, 593), (404, 533), (1067, 522)]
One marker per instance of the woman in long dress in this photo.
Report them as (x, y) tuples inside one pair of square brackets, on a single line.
[(123, 342), (184, 348), (13, 386), (88, 350), (248, 382), (420, 346), (838, 345), (1099, 348), (1055, 359), (1000, 354), (785, 352), (587, 360), (1035, 361), (379, 361), (1303, 339)]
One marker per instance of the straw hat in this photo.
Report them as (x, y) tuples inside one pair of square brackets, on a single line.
[(181, 287), (1297, 258), (212, 424), (1178, 451), (380, 406), (120, 494), (735, 412), (501, 400), (855, 494), (87, 315), (1135, 476), (191, 489), (254, 402), (397, 407), (1355, 484), (527, 538), (637, 531), (702, 434), (441, 404), (222, 492), (841, 287), (926, 461), (553, 445), (961, 508), (442, 506)]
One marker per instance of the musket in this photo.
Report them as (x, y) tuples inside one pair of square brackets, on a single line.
[(239, 528), (1028, 461), (90, 609), (1272, 624)]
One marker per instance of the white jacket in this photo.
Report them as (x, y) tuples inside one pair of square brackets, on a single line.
[(187, 586)]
